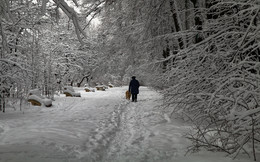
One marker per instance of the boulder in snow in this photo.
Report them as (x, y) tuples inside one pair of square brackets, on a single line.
[(110, 85), (39, 100), (88, 89), (100, 88), (71, 93)]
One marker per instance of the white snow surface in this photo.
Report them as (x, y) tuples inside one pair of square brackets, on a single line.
[(99, 126)]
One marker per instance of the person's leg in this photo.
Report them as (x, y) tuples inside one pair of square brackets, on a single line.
[(133, 97), (136, 98)]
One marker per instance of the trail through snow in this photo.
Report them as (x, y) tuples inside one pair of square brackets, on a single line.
[(99, 126)]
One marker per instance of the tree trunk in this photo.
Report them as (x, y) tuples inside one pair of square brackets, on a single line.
[(198, 20), (87, 77), (177, 23), (4, 48), (44, 2)]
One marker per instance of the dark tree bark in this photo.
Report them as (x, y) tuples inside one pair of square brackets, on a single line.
[(176, 23), (85, 77)]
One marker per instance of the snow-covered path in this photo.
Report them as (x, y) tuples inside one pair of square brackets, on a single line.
[(100, 126), (144, 133)]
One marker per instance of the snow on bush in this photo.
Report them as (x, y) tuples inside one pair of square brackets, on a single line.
[(216, 83)]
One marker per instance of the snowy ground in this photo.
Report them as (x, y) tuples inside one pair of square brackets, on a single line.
[(99, 126)]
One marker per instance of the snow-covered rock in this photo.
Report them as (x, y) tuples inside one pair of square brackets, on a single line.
[(110, 85), (47, 102), (70, 93), (39, 100), (89, 89), (100, 88)]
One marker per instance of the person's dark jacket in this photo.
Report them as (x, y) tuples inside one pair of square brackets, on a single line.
[(134, 86)]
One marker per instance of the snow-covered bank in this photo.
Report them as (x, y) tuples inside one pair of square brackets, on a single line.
[(99, 126)]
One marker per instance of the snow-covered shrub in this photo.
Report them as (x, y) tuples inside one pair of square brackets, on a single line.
[(215, 83)]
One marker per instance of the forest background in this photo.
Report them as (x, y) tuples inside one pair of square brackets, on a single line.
[(202, 54)]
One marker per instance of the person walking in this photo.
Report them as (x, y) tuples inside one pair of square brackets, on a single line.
[(134, 88)]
